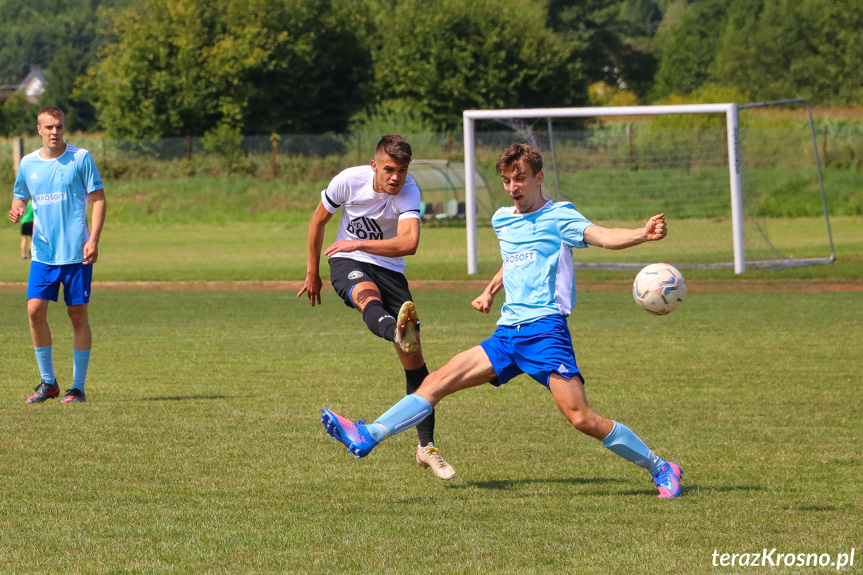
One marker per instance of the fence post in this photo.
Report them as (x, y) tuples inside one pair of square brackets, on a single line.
[(189, 148), (824, 153), (274, 146), (448, 145), (17, 152)]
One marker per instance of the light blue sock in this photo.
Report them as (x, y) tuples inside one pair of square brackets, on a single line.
[(409, 411), (46, 364), (626, 444), (81, 361)]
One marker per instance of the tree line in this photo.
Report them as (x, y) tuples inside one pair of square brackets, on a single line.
[(161, 68)]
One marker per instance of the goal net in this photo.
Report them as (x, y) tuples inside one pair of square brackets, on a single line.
[(740, 186)]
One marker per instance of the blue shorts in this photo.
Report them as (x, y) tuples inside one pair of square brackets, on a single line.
[(538, 349), (45, 280)]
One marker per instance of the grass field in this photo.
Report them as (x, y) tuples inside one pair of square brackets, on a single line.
[(269, 251), (200, 449)]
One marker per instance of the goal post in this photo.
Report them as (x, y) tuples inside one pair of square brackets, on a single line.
[(735, 207)]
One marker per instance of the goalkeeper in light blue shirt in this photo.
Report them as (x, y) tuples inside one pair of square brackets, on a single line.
[(60, 180), (536, 239)]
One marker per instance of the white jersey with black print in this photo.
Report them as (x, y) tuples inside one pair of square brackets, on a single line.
[(369, 215)]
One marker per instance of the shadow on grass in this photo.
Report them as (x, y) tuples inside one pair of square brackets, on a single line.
[(502, 484), (696, 489), (183, 397), (691, 490)]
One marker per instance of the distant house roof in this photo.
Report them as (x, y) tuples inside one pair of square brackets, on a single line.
[(33, 87)]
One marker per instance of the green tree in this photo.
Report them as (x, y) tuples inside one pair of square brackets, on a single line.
[(777, 49), (69, 63), (27, 32), (59, 38), (185, 66), (691, 48), (459, 55), (18, 116), (837, 37), (609, 39)]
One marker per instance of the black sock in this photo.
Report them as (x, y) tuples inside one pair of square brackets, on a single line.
[(379, 320), (413, 379)]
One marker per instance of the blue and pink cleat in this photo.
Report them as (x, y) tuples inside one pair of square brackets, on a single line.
[(668, 480), (354, 436)]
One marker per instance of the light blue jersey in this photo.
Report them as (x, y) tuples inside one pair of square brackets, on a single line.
[(537, 260), (59, 190)]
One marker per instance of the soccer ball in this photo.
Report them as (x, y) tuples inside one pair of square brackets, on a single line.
[(659, 289)]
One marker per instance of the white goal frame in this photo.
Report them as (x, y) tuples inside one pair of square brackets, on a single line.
[(731, 112)]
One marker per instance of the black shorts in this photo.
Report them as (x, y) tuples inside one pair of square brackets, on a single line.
[(27, 229), (345, 273)]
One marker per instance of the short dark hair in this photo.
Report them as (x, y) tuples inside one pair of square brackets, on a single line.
[(517, 152), (55, 113), (395, 147)]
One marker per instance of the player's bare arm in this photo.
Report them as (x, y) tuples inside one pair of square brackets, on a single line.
[(97, 221), (620, 238), (312, 284), (485, 300), (17, 210), (405, 242)]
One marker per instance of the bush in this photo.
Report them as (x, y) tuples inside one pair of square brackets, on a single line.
[(227, 141)]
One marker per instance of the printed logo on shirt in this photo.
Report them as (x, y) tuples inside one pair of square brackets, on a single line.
[(34, 176), (365, 229), (519, 259), (47, 199)]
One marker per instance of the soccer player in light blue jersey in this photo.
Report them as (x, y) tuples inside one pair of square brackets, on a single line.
[(536, 239), (60, 180)]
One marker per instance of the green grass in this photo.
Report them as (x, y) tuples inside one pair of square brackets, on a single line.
[(210, 200), (200, 448), (244, 251)]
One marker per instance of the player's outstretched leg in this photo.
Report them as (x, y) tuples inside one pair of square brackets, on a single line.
[(667, 480), (354, 436), (626, 444), (406, 322), (360, 439)]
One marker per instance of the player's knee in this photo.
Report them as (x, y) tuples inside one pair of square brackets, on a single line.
[(78, 316), (434, 387), (582, 420), (38, 320), (37, 314)]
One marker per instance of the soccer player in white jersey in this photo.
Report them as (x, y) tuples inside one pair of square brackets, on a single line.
[(536, 240), (380, 224), (60, 180)]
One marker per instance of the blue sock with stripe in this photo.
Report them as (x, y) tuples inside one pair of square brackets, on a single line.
[(629, 446), (403, 415), (81, 360), (46, 364)]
